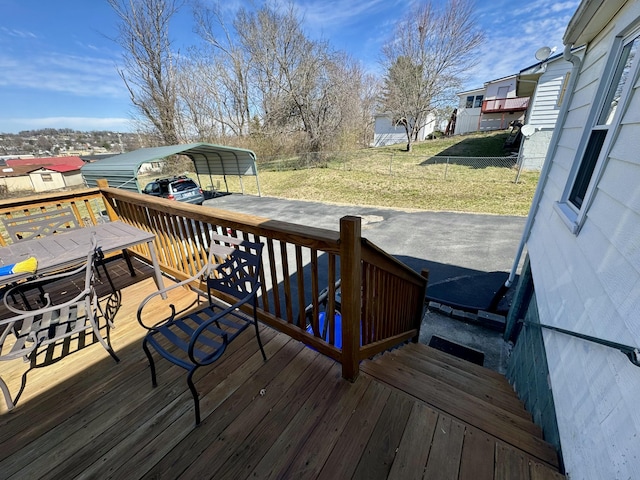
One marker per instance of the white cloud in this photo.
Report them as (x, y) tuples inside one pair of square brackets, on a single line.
[(17, 33), (509, 49), (338, 13), (56, 72)]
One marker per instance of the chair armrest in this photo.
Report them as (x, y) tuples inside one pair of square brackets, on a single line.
[(164, 291), (36, 282), (207, 326)]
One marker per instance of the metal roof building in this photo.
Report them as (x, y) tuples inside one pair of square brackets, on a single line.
[(121, 171)]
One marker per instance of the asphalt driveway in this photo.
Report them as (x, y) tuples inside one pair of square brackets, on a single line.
[(468, 255)]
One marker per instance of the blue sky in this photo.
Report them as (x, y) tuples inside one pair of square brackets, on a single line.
[(58, 61)]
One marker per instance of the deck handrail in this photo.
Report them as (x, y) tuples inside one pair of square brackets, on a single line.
[(86, 204), (505, 104), (382, 299)]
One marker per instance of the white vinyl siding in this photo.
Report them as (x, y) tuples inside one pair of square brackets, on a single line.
[(544, 105), (613, 95), (590, 283)]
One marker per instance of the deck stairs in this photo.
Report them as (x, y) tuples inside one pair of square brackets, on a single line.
[(481, 409)]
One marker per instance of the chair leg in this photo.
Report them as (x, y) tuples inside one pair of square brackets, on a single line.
[(7, 395), (103, 342), (152, 365), (194, 393), (23, 382), (255, 323)]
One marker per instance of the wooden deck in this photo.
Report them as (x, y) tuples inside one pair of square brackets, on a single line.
[(412, 413)]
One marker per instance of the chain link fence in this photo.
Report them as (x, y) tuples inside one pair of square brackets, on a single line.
[(429, 168)]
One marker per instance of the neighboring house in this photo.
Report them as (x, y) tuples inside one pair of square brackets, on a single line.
[(493, 107), (40, 161), (469, 107), (582, 272), (41, 174), (15, 179), (545, 83), (387, 132), (150, 168), (54, 177)]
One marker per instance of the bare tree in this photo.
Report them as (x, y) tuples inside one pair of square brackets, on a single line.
[(227, 68), (370, 88), (426, 61), (149, 71), (301, 85), (268, 80)]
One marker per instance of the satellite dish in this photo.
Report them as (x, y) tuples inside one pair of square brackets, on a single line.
[(528, 130), (543, 53)]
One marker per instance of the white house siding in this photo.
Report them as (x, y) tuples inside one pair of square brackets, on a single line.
[(543, 114), (385, 133), (467, 120), (18, 183), (57, 180), (534, 149), (590, 283), (73, 179), (544, 106), (493, 87)]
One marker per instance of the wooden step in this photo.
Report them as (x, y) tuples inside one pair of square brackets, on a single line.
[(481, 388), (513, 428), (472, 368)]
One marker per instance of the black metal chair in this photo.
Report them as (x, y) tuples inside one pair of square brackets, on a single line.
[(198, 338)]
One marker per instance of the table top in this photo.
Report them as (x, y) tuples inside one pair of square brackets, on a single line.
[(63, 250)]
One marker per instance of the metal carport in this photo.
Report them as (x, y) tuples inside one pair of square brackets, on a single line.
[(121, 171)]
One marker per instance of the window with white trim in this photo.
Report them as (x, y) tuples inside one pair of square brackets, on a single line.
[(604, 120), (469, 103)]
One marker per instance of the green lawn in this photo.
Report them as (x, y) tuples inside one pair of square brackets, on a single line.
[(391, 177)]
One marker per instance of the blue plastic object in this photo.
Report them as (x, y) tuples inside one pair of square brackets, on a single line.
[(338, 331)]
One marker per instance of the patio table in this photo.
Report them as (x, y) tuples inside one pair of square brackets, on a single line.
[(63, 250)]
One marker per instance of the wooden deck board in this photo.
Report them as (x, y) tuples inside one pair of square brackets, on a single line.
[(446, 449), (377, 457), (348, 449), (415, 444), (248, 452), (229, 441), (86, 416), (477, 462)]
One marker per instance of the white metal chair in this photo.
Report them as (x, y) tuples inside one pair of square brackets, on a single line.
[(29, 330)]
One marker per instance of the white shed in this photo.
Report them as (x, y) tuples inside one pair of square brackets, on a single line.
[(387, 132), (575, 360)]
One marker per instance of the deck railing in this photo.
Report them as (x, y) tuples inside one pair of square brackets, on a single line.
[(371, 302), (87, 206), (512, 104)]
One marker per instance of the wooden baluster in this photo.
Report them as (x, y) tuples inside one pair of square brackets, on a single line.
[(351, 271)]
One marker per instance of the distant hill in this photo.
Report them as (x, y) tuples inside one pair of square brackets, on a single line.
[(54, 142)]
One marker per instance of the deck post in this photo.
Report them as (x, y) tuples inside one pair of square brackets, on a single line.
[(424, 273), (108, 202), (351, 274)]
